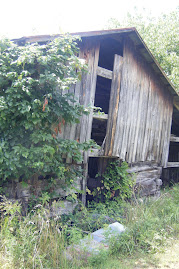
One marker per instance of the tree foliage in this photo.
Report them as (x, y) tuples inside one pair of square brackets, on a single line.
[(161, 36), (34, 105)]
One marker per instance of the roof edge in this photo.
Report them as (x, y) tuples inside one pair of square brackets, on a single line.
[(45, 38)]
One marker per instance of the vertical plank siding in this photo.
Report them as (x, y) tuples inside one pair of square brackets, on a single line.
[(144, 114), (88, 88), (140, 108), (84, 93)]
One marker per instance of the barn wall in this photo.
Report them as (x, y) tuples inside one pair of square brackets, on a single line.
[(145, 112), (84, 93)]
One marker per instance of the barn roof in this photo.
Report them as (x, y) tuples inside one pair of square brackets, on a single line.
[(118, 34)]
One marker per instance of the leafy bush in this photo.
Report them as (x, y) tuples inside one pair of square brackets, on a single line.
[(34, 105), (115, 182)]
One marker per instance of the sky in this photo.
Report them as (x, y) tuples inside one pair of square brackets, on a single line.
[(34, 17)]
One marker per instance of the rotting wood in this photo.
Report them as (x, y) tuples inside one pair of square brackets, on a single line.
[(105, 73)]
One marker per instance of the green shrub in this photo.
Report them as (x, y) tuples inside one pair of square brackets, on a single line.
[(35, 104), (115, 182)]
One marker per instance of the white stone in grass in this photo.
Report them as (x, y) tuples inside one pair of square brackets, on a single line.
[(95, 242)]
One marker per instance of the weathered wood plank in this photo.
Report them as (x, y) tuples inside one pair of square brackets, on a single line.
[(160, 121), (113, 105), (169, 111), (144, 115), (91, 53), (135, 156), (172, 164), (139, 168), (133, 105), (89, 94), (174, 139), (105, 73), (129, 112)]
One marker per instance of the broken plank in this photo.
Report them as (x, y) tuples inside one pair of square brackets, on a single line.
[(105, 73)]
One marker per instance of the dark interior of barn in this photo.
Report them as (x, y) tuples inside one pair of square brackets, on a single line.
[(108, 48)]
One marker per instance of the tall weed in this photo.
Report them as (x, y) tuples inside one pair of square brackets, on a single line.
[(149, 223), (34, 241)]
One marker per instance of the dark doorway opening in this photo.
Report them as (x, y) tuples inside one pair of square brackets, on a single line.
[(92, 181)]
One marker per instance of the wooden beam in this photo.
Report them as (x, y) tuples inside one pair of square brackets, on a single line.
[(174, 139), (100, 116), (172, 164), (142, 168), (105, 73)]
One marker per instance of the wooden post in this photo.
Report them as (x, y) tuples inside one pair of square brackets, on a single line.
[(85, 175)]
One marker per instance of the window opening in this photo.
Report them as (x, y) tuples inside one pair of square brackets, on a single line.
[(98, 131), (102, 95)]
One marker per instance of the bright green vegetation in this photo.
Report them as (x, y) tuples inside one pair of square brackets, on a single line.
[(115, 181), (161, 36), (35, 103), (38, 241)]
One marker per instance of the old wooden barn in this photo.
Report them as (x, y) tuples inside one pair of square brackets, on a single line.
[(139, 123)]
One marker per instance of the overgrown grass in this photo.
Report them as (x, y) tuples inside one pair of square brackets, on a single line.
[(38, 241)]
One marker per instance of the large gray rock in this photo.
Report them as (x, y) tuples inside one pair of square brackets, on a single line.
[(95, 242)]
